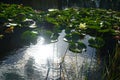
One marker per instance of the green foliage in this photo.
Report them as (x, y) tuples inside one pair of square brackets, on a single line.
[(71, 18), (81, 45), (68, 37), (96, 43), (28, 36), (55, 36), (98, 22), (17, 13), (72, 47), (112, 69), (3, 18), (77, 47)]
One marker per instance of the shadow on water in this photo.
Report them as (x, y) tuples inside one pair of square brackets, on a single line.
[(31, 72), (13, 76)]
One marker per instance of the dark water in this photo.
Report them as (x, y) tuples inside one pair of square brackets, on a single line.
[(47, 62), (46, 4)]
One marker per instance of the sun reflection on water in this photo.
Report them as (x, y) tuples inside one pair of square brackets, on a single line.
[(42, 53)]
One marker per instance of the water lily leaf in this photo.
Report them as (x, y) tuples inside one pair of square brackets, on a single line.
[(75, 36), (54, 36), (110, 31), (68, 37), (29, 36), (72, 46), (68, 30), (81, 45), (77, 47), (51, 20), (96, 42), (94, 27)]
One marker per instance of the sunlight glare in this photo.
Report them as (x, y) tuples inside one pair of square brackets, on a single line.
[(42, 53)]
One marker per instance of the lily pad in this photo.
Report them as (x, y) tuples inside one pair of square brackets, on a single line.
[(78, 47), (96, 42), (75, 36), (68, 37), (81, 45), (54, 38)]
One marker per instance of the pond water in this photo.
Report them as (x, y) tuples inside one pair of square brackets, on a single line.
[(47, 62)]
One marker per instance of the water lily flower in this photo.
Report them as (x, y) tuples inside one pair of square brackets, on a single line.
[(82, 26)]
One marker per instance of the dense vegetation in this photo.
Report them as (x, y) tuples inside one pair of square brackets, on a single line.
[(20, 26)]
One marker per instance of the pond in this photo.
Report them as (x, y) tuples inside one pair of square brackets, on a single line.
[(68, 44), (51, 61)]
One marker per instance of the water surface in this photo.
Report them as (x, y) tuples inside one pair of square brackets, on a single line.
[(47, 62)]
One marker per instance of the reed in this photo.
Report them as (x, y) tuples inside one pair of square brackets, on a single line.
[(111, 70)]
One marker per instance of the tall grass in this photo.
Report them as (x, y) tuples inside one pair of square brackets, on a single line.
[(111, 70)]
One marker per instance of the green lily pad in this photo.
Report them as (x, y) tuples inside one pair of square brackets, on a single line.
[(96, 42), (68, 37), (81, 45), (78, 47), (75, 36)]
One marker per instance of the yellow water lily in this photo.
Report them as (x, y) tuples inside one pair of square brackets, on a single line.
[(82, 26)]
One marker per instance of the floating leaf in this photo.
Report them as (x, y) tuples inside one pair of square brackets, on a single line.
[(77, 47), (96, 42), (81, 45), (75, 36), (29, 36), (68, 37)]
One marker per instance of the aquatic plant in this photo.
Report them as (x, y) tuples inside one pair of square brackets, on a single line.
[(77, 47), (82, 26), (111, 67), (29, 36), (96, 42), (77, 22), (67, 37)]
